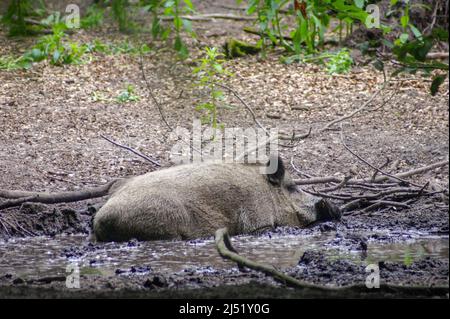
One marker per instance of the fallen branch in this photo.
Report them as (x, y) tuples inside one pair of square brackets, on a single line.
[(132, 151), (226, 251), (364, 182), (210, 16), (437, 55), (20, 197)]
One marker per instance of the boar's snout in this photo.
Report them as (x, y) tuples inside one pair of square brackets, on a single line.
[(325, 210)]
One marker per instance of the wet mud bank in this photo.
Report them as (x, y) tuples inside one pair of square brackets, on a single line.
[(409, 247)]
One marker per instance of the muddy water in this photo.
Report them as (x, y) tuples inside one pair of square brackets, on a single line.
[(43, 256)]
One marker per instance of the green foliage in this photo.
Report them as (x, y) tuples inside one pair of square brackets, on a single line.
[(208, 73), (55, 48), (16, 14), (93, 18), (127, 95), (173, 9), (412, 57), (340, 62), (9, 63), (125, 47), (120, 13), (312, 21), (337, 62)]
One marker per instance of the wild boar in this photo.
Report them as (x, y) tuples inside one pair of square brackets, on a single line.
[(194, 200)]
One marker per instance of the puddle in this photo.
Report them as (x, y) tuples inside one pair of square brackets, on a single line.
[(44, 256)]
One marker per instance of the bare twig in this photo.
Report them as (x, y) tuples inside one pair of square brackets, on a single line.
[(372, 166), (132, 151), (338, 186), (150, 91), (211, 16), (249, 109), (345, 117)]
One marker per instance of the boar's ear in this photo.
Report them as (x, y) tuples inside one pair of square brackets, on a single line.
[(274, 170)]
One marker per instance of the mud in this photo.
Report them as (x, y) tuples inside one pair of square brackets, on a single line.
[(410, 249)]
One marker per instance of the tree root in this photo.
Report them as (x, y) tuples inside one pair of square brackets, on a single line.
[(226, 251)]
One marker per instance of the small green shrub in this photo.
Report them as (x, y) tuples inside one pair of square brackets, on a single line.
[(94, 17), (208, 73), (127, 95)]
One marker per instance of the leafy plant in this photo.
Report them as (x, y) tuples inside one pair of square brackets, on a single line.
[(208, 73), (17, 13), (120, 13), (340, 62), (335, 62), (56, 49), (173, 9), (8, 63), (94, 17), (125, 47), (127, 95), (312, 20)]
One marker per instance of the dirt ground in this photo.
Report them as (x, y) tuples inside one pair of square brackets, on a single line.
[(50, 129)]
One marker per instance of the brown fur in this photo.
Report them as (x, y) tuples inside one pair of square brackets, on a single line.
[(194, 200)]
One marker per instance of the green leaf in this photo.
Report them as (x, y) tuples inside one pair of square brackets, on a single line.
[(218, 67), (437, 81), (415, 31), (189, 4), (181, 48), (187, 25), (217, 94), (36, 54), (404, 37), (404, 21), (56, 56)]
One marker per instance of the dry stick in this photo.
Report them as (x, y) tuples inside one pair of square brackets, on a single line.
[(381, 167), (437, 55), (132, 151), (338, 186), (53, 198), (332, 179), (297, 170), (141, 64), (250, 110), (158, 105), (372, 166), (378, 203), (345, 117), (414, 171), (210, 16), (254, 115), (245, 105)]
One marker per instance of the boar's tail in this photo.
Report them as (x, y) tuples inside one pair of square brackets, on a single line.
[(275, 170)]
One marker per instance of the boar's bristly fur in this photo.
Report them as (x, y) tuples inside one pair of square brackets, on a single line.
[(194, 200)]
